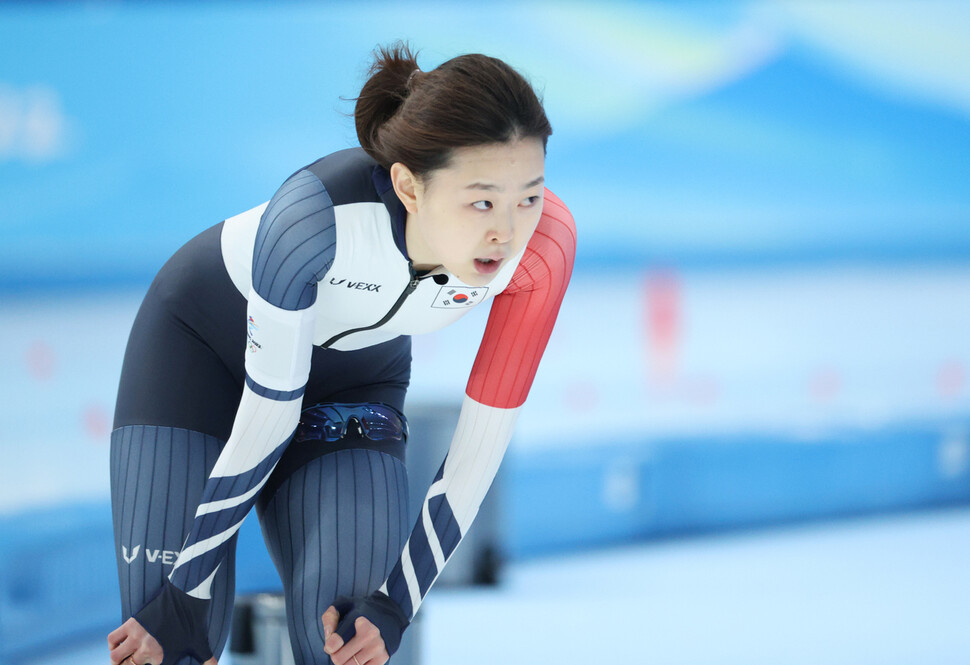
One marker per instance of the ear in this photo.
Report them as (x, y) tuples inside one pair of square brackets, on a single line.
[(406, 186)]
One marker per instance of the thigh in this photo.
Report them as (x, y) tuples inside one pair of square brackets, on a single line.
[(334, 527), (183, 366), (157, 476)]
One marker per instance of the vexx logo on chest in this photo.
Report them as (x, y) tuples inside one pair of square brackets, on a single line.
[(360, 286)]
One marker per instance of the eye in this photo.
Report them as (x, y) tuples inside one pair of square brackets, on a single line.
[(531, 201), (482, 205)]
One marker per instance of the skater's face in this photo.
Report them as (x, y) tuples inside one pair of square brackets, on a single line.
[(475, 213)]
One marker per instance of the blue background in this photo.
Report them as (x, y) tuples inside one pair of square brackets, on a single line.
[(713, 134)]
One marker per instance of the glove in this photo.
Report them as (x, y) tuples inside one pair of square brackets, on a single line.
[(178, 621), (380, 610)]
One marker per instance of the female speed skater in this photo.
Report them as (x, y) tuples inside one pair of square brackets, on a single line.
[(269, 361)]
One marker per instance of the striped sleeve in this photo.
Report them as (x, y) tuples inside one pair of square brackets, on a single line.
[(294, 248), (522, 317), (519, 326)]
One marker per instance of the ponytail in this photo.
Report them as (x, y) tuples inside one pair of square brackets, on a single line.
[(418, 118), (388, 85)]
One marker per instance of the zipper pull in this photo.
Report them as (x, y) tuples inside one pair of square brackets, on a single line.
[(415, 280)]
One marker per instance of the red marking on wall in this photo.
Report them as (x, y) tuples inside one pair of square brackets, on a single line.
[(41, 360), (663, 323)]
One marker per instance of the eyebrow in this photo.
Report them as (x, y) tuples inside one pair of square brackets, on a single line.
[(495, 188)]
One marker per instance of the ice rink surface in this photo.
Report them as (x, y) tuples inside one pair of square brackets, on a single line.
[(889, 590), (879, 590)]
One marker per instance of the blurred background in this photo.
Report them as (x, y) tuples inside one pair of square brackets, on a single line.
[(749, 439)]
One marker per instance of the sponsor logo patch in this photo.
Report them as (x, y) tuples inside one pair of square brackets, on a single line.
[(253, 344), (359, 286), (166, 557)]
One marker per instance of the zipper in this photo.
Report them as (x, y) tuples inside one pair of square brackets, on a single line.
[(408, 290)]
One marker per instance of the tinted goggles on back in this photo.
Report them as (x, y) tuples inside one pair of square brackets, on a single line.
[(334, 421)]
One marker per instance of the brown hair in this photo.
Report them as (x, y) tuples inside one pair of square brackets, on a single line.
[(418, 118)]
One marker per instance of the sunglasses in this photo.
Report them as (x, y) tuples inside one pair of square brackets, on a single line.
[(332, 422)]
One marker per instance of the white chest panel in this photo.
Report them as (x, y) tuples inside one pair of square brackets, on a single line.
[(365, 282)]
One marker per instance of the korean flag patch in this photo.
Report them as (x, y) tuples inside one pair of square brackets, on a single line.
[(450, 297)]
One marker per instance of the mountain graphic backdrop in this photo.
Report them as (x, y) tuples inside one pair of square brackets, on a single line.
[(688, 135)]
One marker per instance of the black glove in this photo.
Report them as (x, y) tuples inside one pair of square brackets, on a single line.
[(379, 610), (178, 621)]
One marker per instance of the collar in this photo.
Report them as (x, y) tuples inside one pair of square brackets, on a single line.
[(382, 183)]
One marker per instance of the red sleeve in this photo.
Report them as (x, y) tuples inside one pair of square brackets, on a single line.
[(523, 315)]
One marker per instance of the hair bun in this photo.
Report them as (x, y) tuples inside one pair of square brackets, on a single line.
[(419, 118), (387, 87)]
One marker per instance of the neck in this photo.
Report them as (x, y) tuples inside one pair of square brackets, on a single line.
[(419, 254)]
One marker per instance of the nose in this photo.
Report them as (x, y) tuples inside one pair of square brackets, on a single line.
[(502, 229)]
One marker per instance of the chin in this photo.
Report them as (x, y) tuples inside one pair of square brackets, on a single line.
[(480, 279), (476, 280)]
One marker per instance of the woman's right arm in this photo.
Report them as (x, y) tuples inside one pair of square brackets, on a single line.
[(294, 247)]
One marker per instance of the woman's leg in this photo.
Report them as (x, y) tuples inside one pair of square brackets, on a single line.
[(157, 475), (334, 514), (176, 401), (335, 526)]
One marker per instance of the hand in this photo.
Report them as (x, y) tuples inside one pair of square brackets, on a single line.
[(364, 648), (132, 641)]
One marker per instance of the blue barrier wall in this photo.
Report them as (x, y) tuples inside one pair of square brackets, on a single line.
[(55, 561), (633, 490), (57, 577)]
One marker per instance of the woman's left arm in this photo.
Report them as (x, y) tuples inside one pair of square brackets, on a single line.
[(519, 325)]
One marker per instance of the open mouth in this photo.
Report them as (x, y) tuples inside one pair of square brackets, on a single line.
[(487, 266)]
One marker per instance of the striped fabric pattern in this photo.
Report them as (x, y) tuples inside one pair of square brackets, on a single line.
[(295, 243), (239, 473), (153, 506), (452, 502), (336, 527), (294, 247), (523, 315), (225, 502), (519, 326)]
